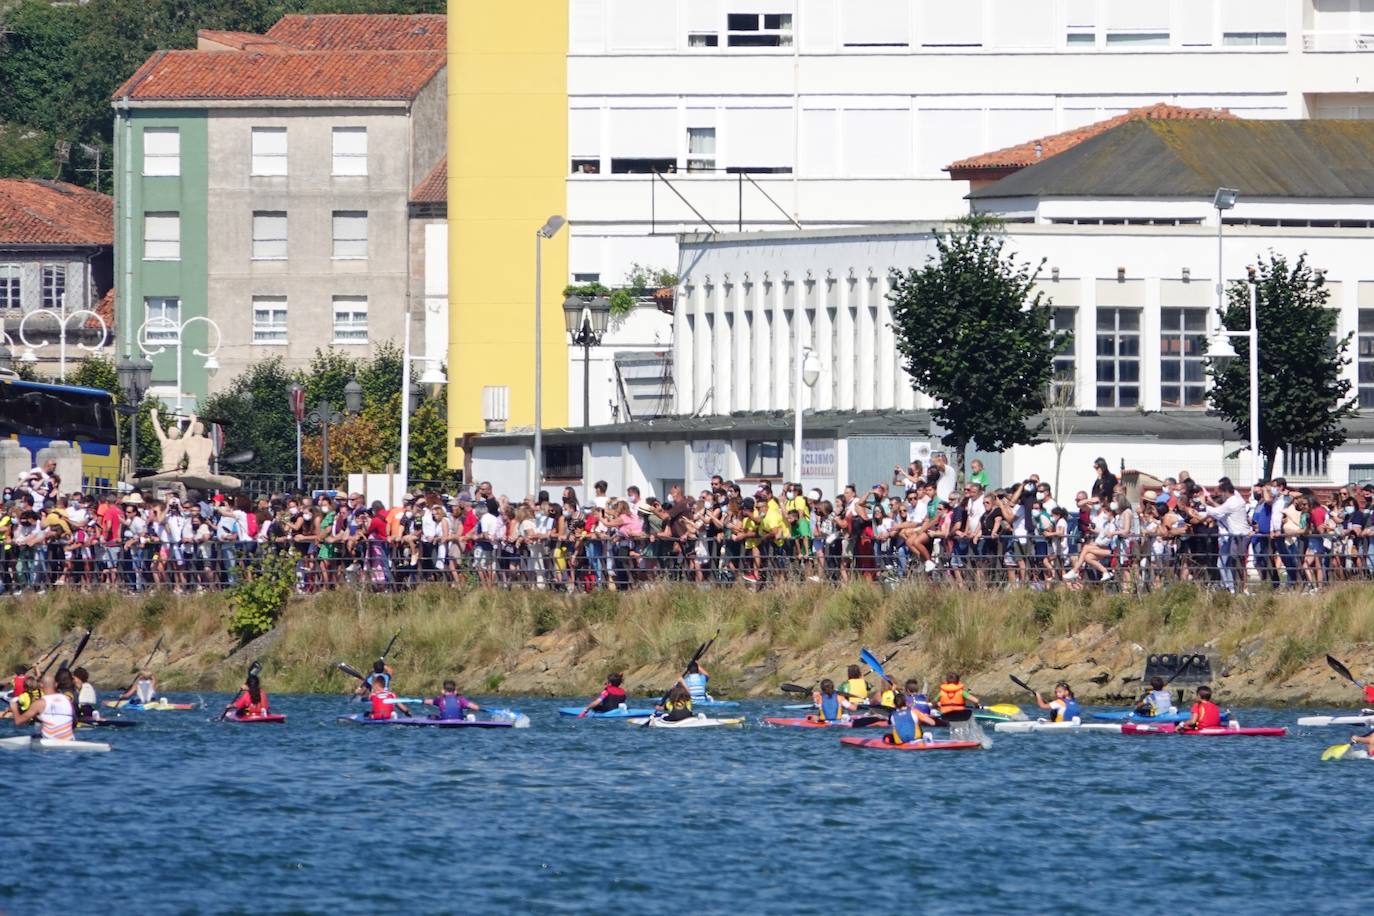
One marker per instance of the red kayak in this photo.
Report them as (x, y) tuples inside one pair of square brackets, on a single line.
[(880, 744), (1168, 729), (270, 717), (868, 722)]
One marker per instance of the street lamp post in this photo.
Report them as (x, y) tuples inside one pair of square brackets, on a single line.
[(546, 231), (297, 398), (326, 415), (169, 334), (63, 318), (433, 376), (586, 322), (1223, 200), (808, 370), (135, 375)]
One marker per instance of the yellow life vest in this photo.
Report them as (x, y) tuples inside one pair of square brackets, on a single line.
[(857, 689), (886, 699)]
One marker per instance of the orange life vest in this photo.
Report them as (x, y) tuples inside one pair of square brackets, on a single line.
[(951, 697)]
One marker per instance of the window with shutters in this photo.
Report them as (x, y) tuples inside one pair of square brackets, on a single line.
[(269, 319), (269, 235), (269, 151), (350, 151), (161, 151), (161, 236), (350, 234), (350, 319)]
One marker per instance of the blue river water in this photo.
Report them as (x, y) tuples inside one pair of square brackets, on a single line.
[(190, 816)]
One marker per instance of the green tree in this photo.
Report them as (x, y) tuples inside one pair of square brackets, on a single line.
[(1303, 395), (255, 411), (975, 335), (99, 372), (96, 372), (330, 371), (429, 441)]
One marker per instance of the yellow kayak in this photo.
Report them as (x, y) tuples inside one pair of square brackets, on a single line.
[(158, 705)]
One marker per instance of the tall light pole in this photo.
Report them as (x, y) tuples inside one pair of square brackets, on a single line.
[(63, 318), (586, 322), (296, 395), (326, 415), (176, 330), (1223, 200), (808, 369), (433, 376), (135, 375), (546, 231)]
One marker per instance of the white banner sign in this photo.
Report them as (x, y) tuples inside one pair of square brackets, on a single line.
[(818, 459)]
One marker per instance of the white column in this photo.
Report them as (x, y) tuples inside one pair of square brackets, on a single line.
[(864, 335), (886, 356), (723, 346), (1085, 344), (1149, 345), (845, 365), (825, 349)]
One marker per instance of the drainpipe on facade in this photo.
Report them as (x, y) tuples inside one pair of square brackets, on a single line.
[(126, 289)]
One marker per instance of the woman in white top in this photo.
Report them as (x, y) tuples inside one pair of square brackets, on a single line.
[(1099, 548)]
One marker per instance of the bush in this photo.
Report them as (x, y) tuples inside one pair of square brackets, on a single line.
[(85, 611), (259, 600)]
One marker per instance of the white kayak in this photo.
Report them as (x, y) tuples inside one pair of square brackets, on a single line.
[(1043, 725), (1322, 721), (26, 742), (697, 721)]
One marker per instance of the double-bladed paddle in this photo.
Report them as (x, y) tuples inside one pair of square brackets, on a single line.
[(701, 650), (253, 669), (1344, 672), (151, 655), (48, 654), (80, 647)]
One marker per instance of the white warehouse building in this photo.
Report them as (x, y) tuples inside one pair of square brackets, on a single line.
[(737, 115)]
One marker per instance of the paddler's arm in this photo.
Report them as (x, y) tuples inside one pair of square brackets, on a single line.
[(405, 711), (968, 695), (1039, 701), (588, 708), (922, 717), (28, 715)]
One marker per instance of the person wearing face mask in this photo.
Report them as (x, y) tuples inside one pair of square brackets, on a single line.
[(1097, 545)]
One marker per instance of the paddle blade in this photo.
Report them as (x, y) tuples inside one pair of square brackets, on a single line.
[(387, 650), (1020, 683), (1342, 670), (1004, 709), (1336, 751), (349, 670), (871, 660), (795, 688)]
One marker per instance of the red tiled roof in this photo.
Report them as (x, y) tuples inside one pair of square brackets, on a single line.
[(1032, 151), (237, 41), (433, 189), (37, 212), (292, 75), (362, 32), (105, 308)]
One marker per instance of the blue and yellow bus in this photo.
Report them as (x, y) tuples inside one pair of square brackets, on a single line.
[(37, 413)]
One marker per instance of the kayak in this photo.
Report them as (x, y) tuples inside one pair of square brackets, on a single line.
[(712, 702), (1131, 728), (697, 721), (1130, 715), (25, 742), (404, 701), (363, 719), (156, 706), (830, 723), (250, 720), (104, 723), (1042, 725), (620, 712), (881, 745), (1322, 721)]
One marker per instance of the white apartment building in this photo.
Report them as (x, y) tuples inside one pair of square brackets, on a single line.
[(774, 114)]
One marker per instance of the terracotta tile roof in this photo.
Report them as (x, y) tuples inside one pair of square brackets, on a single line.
[(105, 308), (216, 40), (190, 75), (433, 189), (1020, 156), (37, 212), (362, 32)]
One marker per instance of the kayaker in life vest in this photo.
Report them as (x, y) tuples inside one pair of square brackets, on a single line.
[(384, 702), (143, 690), (831, 706), (906, 722), (54, 711), (885, 697), (451, 704), (678, 706), (381, 671), (21, 680), (954, 695), (87, 700), (695, 681), (855, 688), (1157, 702), (611, 697), (1204, 714), (252, 700), (915, 698), (1063, 708)]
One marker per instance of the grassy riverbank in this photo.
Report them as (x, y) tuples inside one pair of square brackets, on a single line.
[(1267, 648)]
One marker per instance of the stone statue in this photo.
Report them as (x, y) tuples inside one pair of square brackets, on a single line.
[(186, 459), (173, 448)]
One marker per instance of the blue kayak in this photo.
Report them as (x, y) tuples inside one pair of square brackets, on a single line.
[(709, 702), (362, 719), (621, 712), (1130, 715)]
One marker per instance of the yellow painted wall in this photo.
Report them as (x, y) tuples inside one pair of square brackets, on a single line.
[(507, 169)]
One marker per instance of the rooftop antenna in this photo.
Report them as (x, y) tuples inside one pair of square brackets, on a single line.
[(96, 153)]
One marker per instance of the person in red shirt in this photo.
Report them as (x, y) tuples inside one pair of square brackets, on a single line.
[(612, 696), (384, 705), (252, 700), (1205, 713)]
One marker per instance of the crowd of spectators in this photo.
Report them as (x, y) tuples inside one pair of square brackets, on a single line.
[(922, 524)]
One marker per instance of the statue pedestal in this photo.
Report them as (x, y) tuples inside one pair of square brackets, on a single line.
[(173, 480)]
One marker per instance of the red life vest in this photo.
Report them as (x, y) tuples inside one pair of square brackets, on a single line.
[(1207, 714), (247, 709), (383, 704)]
